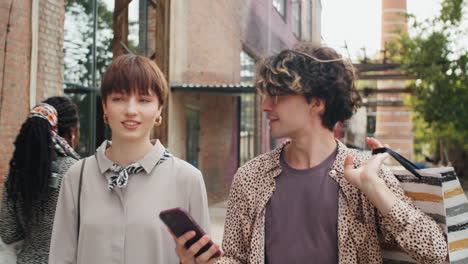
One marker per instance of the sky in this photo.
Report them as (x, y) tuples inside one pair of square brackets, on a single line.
[(358, 23)]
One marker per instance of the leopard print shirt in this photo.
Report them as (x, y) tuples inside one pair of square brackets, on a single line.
[(359, 222)]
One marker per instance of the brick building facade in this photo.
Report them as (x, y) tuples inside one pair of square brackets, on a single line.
[(25, 47), (206, 39)]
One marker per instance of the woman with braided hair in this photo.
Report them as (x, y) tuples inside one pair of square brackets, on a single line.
[(43, 153)]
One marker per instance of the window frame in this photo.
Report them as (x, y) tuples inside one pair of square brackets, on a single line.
[(296, 18), (275, 4)]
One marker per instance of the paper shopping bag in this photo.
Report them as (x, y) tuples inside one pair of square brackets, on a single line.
[(438, 193)]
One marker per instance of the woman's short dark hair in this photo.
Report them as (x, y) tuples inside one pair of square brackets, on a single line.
[(131, 73), (314, 72)]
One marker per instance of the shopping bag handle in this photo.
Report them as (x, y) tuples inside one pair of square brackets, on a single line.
[(402, 160)]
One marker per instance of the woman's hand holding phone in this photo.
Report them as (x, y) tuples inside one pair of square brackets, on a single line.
[(187, 256), (192, 243)]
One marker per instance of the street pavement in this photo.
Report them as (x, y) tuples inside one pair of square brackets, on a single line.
[(217, 217)]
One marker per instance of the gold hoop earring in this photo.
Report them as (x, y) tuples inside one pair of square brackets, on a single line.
[(158, 121), (105, 118)]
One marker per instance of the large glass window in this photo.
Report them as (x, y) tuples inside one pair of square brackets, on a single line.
[(296, 9), (133, 25), (88, 36), (280, 6), (247, 111), (307, 32), (192, 145), (371, 120), (79, 41), (247, 68), (318, 19), (87, 52)]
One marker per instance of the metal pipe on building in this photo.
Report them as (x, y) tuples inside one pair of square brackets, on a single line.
[(34, 52)]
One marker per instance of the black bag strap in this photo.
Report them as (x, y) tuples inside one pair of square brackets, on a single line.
[(79, 198), (402, 160)]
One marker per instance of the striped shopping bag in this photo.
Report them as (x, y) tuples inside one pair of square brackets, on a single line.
[(438, 193)]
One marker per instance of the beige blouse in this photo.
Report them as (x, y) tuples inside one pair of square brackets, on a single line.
[(123, 225)]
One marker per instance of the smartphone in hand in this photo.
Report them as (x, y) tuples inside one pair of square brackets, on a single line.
[(180, 222)]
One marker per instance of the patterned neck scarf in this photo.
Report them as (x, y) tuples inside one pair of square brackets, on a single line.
[(49, 113), (120, 177)]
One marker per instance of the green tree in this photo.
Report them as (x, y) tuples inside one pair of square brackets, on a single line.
[(432, 52)]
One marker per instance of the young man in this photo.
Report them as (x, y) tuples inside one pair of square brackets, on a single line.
[(313, 200)]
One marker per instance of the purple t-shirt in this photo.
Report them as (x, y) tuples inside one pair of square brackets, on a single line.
[(301, 222)]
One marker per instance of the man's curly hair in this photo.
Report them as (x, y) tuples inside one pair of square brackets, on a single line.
[(314, 72)]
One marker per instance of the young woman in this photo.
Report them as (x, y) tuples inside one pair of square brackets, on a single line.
[(43, 153), (128, 181)]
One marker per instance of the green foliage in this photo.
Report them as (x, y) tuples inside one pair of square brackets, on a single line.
[(451, 11), (423, 138), (432, 53)]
